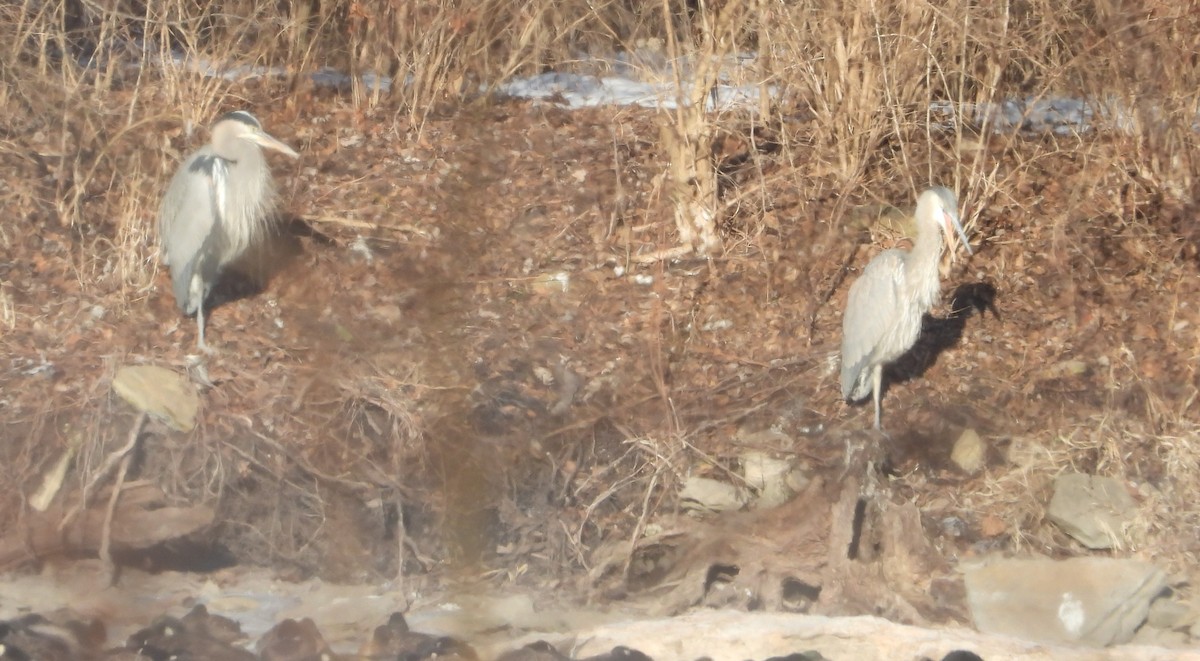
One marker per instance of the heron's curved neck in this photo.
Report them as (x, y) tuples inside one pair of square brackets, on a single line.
[(926, 252)]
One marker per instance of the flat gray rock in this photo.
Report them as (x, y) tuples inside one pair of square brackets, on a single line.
[(706, 495), (1089, 601), (160, 392), (1094, 510)]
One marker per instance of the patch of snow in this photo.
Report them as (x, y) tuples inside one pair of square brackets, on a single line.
[(646, 77), (1061, 115), (587, 91)]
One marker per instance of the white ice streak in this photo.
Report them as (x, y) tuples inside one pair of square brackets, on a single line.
[(647, 78), (586, 91)]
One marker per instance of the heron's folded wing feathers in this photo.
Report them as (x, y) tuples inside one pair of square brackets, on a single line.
[(185, 221), (872, 306)]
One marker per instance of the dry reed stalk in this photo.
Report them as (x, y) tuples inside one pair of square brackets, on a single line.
[(688, 131)]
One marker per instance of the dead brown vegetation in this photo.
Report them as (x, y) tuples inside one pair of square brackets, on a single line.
[(356, 452)]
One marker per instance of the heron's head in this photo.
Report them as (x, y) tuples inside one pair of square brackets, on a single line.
[(941, 205), (239, 127)]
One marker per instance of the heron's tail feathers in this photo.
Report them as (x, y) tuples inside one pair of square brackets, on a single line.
[(856, 381)]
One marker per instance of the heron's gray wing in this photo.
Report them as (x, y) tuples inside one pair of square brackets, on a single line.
[(186, 220), (872, 308)]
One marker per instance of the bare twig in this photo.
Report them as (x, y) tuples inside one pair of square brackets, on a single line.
[(126, 456), (114, 460)]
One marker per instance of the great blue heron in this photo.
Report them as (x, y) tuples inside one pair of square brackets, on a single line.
[(887, 302), (220, 202)]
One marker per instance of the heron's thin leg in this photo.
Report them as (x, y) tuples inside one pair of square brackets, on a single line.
[(876, 388), (200, 324), (198, 292)]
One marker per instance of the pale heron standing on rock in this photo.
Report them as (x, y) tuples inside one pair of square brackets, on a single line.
[(220, 202), (895, 290)]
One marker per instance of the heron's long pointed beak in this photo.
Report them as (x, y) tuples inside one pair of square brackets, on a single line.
[(951, 220), (962, 236), (268, 142)]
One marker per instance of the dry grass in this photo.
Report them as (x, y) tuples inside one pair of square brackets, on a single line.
[(865, 74), (1156, 466), (104, 98)]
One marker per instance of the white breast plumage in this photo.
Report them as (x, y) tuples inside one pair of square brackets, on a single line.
[(220, 174)]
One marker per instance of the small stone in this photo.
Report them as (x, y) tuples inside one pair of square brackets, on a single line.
[(548, 284), (970, 452), (953, 526), (991, 526), (770, 476), (1072, 367)]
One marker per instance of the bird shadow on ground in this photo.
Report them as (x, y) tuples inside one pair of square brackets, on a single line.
[(249, 275), (937, 335)]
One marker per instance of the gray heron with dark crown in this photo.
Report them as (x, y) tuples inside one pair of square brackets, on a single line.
[(220, 202), (896, 289)]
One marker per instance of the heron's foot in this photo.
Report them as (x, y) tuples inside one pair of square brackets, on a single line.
[(868, 455), (198, 371), (201, 356), (882, 461), (860, 454)]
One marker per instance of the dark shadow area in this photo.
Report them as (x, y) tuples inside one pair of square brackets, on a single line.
[(199, 556), (937, 335), (798, 595), (974, 297), (250, 274), (860, 513)]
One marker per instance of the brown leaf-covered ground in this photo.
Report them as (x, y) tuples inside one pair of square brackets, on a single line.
[(453, 360)]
